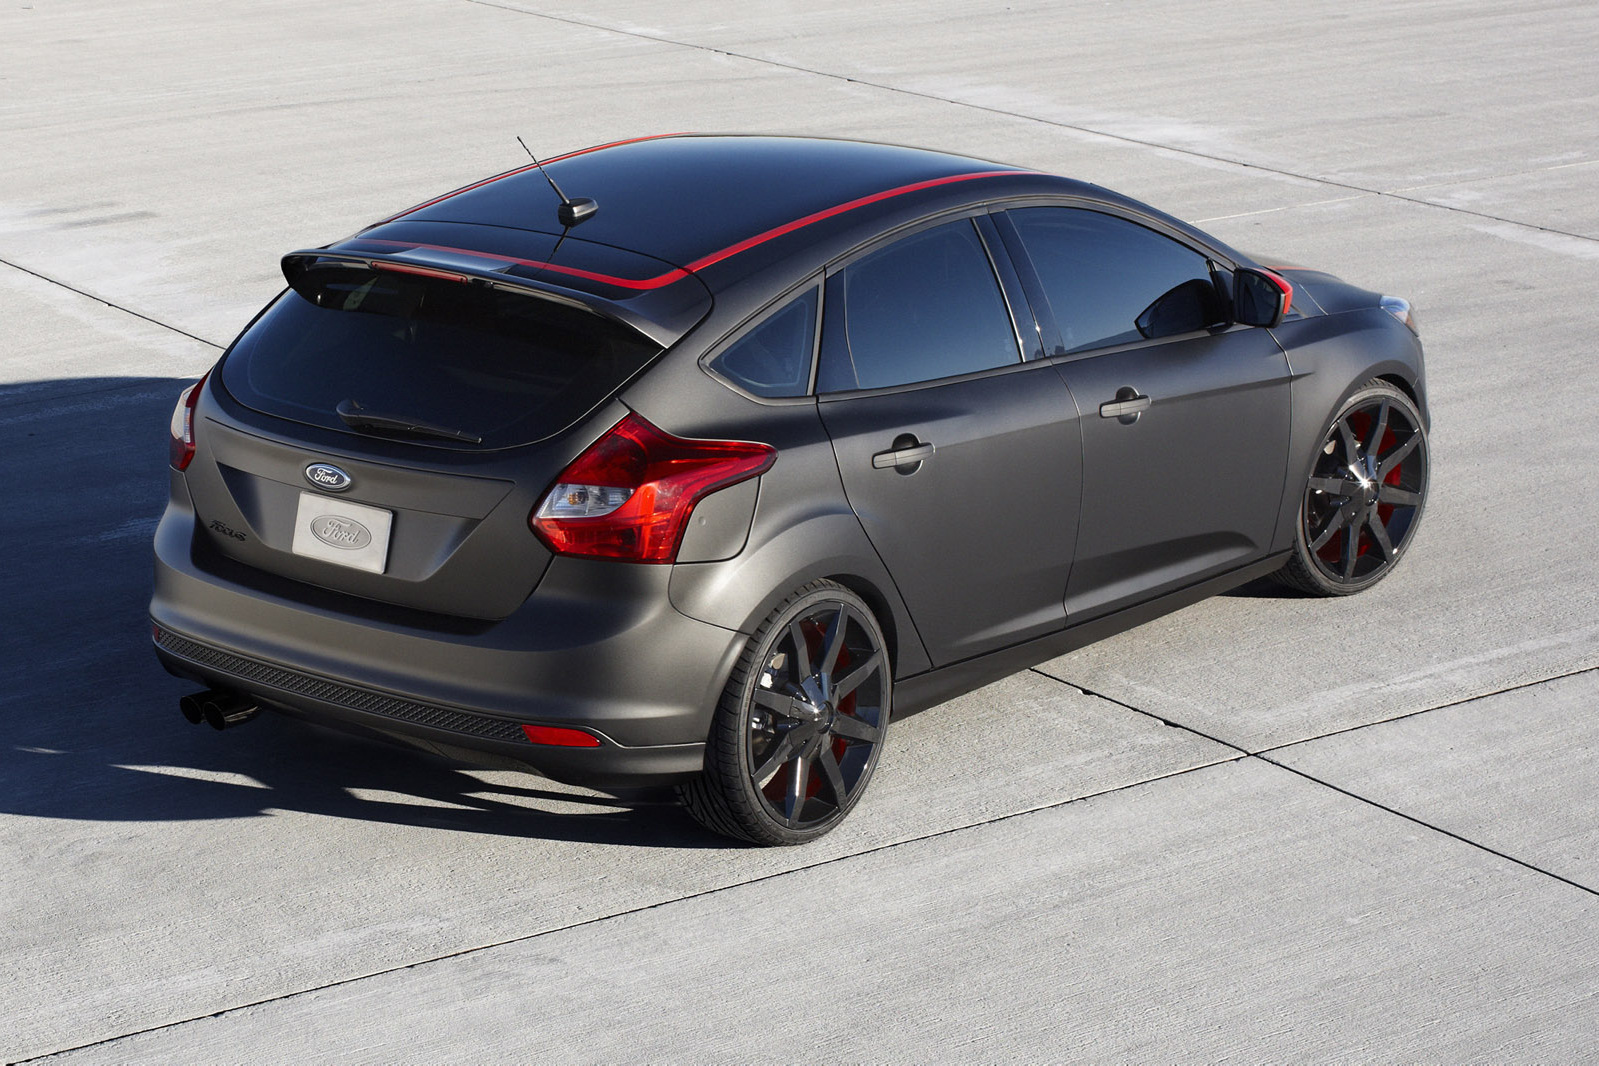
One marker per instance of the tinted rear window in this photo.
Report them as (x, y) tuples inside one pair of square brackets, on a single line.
[(502, 366)]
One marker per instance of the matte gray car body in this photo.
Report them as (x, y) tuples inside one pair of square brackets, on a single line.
[(1042, 517)]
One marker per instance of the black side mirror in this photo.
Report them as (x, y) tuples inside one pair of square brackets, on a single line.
[(1260, 298)]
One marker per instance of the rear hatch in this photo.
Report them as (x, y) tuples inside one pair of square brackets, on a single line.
[(384, 429)]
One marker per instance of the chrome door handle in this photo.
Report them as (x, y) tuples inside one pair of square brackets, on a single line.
[(911, 456), (1128, 403)]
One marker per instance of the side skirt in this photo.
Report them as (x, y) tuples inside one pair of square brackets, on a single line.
[(926, 690)]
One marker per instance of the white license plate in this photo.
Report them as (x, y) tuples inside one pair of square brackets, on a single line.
[(338, 531)]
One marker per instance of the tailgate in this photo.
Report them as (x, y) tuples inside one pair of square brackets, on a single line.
[(419, 535)]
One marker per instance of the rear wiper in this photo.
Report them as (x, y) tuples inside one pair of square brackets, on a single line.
[(357, 417)]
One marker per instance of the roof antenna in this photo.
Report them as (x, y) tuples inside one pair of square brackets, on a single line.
[(571, 211)]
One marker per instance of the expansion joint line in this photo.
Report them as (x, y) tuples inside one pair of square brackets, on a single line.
[(1264, 755), (624, 913), (1395, 194), (1240, 754)]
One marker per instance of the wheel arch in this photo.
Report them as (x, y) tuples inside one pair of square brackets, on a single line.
[(1345, 502), (882, 610), (739, 593), (1404, 385), (1332, 357)]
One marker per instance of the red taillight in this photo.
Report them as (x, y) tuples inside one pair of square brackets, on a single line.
[(560, 737), (180, 445), (629, 496)]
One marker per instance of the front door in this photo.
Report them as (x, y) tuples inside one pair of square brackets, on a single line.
[(1187, 486), (1184, 418)]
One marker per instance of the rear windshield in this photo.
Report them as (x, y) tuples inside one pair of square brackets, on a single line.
[(501, 368)]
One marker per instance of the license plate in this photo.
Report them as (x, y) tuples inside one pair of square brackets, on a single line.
[(338, 531)]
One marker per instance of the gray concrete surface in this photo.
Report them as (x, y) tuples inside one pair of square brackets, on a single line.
[(1263, 828)]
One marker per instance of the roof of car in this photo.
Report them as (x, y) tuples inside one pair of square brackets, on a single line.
[(679, 216), (687, 199)]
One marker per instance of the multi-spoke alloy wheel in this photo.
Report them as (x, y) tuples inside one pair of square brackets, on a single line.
[(1364, 496), (800, 724)]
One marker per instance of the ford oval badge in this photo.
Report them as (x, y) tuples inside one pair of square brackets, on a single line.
[(327, 476), (340, 532)]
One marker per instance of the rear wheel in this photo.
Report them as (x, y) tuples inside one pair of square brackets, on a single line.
[(799, 727), (1364, 496)]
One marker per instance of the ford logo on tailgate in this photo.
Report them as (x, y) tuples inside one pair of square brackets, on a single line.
[(340, 532), (327, 476)]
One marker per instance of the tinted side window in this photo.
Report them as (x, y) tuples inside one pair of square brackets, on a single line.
[(925, 307), (1110, 281), (774, 358)]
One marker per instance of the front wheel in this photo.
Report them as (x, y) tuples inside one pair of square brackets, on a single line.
[(800, 724), (1364, 497)]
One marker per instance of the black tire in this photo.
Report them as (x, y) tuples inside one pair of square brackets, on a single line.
[(801, 722), (1364, 495)]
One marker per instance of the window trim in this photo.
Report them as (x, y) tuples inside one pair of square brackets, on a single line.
[(1024, 322), (1033, 284), (1020, 366), (996, 255), (755, 322), (1127, 213)]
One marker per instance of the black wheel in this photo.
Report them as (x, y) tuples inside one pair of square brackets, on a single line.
[(799, 727), (1364, 496)]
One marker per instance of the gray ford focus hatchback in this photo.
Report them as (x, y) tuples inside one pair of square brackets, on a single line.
[(690, 461)]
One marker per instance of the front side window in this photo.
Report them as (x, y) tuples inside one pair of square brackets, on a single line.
[(774, 358), (925, 307), (1110, 281)]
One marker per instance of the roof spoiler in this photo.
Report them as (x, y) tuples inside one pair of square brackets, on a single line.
[(486, 270)]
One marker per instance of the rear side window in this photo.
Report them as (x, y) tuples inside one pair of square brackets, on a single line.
[(925, 307), (501, 366), (774, 358), (1111, 281)]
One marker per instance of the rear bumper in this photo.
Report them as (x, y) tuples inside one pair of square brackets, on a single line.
[(598, 647)]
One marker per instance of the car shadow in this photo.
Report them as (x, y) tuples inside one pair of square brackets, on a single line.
[(1267, 588), (92, 729)]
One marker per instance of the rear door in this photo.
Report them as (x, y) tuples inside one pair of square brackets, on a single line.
[(961, 460), (1185, 419)]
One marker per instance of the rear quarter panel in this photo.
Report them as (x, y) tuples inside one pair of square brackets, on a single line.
[(802, 527)]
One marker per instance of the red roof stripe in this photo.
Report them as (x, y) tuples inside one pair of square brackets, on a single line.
[(838, 209), (677, 274), (608, 279)]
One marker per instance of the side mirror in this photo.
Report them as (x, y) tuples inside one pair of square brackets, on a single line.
[(1260, 297)]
